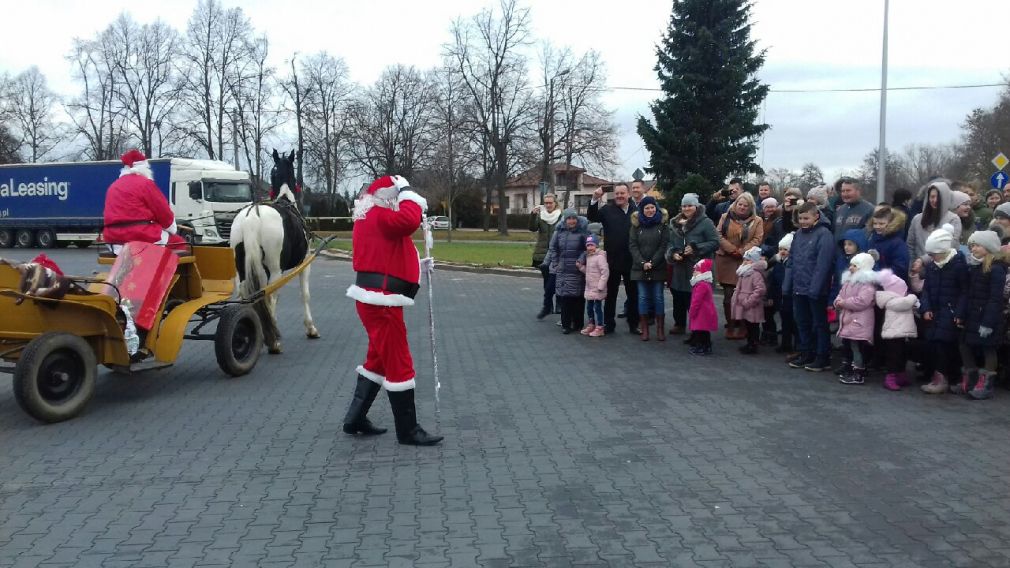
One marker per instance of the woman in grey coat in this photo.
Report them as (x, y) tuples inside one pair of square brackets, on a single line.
[(692, 238), (567, 247)]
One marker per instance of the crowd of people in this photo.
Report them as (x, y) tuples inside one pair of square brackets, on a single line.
[(921, 280)]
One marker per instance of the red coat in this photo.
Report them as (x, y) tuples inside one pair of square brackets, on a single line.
[(382, 243), (136, 199), (702, 315)]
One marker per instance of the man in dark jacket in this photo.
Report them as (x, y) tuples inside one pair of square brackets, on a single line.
[(616, 220), (854, 213), (813, 257), (721, 200)]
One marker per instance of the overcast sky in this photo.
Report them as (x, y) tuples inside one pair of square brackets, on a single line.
[(811, 44)]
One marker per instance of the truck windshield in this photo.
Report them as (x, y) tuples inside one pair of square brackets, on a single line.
[(227, 192)]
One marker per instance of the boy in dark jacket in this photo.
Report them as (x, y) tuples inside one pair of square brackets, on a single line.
[(813, 258)]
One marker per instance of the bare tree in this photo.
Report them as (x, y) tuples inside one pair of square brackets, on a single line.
[(922, 162), (486, 50), (145, 85), (95, 112), (556, 71), (392, 123), (213, 49), (30, 105), (453, 154), (327, 93), (588, 132), (257, 112)]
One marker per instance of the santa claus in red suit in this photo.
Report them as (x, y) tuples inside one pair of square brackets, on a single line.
[(388, 271), (136, 210)]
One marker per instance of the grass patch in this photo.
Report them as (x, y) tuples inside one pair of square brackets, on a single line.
[(515, 235), (482, 254)]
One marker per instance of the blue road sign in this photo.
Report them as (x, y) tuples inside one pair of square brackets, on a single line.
[(999, 180)]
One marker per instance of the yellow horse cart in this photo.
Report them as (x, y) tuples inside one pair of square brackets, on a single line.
[(53, 347)]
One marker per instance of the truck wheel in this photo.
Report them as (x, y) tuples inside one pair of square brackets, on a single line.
[(6, 238), (45, 239), (55, 377), (238, 340), (23, 238)]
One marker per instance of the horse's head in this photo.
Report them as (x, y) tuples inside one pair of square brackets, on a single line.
[(282, 176)]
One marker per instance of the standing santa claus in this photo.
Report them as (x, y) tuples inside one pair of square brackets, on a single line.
[(136, 210), (388, 271)]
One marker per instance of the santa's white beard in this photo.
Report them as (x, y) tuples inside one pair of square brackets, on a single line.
[(364, 204)]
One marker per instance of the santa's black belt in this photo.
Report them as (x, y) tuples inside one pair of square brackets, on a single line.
[(129, 224), (386, 283)]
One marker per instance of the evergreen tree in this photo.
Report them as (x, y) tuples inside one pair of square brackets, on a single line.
[(706, 123)]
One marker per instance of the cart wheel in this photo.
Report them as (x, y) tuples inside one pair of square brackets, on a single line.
[(239, 340), (55, 377)]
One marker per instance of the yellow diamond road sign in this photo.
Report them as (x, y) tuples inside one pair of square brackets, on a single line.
[(1000, 161)]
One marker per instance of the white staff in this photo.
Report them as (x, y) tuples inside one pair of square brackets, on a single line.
[(428, 265)]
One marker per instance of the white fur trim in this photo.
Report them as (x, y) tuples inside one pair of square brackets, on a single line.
[(860, 277), (948, 258), (374, 377), (400, 182), (173, 229), (399, 387), (703, 277), (377, 298), (744, 269), (139, 168), (409, 195)]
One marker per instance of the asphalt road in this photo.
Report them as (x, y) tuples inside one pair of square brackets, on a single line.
[(559, 451)]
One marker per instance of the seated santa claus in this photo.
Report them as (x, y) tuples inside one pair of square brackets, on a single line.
[(136, 210)]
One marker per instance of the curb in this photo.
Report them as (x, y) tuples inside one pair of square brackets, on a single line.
[(453, 267)]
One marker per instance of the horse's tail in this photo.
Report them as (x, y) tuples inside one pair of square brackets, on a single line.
[(255, 273)]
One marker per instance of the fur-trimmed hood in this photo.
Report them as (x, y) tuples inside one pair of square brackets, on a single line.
[(897, 223), (665, 218), (582, 225), (861, 277)]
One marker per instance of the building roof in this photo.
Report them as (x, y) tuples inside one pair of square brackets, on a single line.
[(532, 176)]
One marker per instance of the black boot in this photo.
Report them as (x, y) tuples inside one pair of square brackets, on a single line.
[(408, 431), (356, 421)]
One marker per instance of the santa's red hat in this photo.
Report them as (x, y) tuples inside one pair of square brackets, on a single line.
[(135, 162), (47, 262), (704, 265)]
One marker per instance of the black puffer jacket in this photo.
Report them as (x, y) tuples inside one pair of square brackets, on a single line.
[(985, 305), (945, 294)]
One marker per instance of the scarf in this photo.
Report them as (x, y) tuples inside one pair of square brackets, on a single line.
[(744, 269), (744, 225), (703, 277), (973, 260), (550, 218), (650, 221), (950, 255)]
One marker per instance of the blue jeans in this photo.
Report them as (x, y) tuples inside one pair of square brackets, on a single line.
[(650, 298), (811, 315), (594, 310)]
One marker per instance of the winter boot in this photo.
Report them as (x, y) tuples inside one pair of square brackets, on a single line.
[(856, 376), (588, 329), (936, 386), (891, 382), (843, 370), (984, 386), (749, 348), (356, 421), (643, 326), (544, 312), (701, 350), (677, 330), (962, 387), (408, 432), (902, 378), (598, 332), (660, 327)]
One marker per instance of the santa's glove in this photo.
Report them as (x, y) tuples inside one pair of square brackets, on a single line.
[(427, 264), (984, 331), (401, 183)]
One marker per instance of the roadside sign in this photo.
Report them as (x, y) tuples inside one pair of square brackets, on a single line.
[(999, 180), (1000, 161)]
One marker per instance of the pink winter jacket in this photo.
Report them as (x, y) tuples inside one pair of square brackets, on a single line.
[(597, 272), (899, 307), (855, 302), (702, 315), (748, 301)]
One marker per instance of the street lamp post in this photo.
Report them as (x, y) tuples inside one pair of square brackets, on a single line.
[(882, 145)]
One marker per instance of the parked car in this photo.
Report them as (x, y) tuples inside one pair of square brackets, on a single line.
[(440, 222)]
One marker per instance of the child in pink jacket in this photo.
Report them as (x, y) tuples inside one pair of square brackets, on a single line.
[(899, 325), (597, 272), (748, 300), (855, 306), (701, 316)]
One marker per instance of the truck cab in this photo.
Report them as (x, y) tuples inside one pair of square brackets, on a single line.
[(207, 194)]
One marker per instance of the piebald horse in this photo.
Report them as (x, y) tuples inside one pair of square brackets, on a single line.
[(268, 239)]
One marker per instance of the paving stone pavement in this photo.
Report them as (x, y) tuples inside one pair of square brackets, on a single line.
[(559, 451)]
